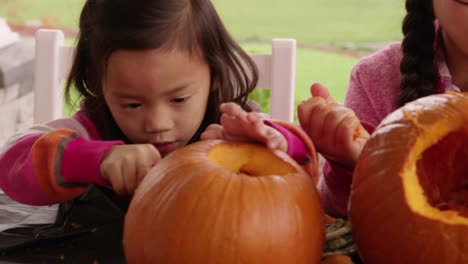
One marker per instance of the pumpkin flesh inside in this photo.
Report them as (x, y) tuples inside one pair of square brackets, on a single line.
[(251, 161), (437, 184)]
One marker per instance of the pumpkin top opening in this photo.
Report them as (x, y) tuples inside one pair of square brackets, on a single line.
[(249, 159), (436, 181)]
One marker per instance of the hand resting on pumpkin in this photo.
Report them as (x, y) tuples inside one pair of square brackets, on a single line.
[(334, 129), (239, 125)]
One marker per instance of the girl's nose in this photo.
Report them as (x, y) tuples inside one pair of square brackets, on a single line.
[(158, 120)]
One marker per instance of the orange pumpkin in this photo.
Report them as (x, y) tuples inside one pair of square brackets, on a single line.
[(337, 259), (409, 197), (225, 202)]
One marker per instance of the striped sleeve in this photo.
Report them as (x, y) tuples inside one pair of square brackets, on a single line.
[(47, 166), (46, 155)]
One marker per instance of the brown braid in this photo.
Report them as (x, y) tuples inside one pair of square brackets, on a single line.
[(418, 68)]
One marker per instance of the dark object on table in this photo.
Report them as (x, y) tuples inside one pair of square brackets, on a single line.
[(87, 229)]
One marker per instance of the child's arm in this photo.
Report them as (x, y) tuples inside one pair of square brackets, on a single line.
[(337, 135), (45, 165)]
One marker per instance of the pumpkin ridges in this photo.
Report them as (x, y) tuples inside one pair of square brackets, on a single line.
[(223, 200), (192, 212), (215, 206), (163, 196), (392, 239), (281, 189)]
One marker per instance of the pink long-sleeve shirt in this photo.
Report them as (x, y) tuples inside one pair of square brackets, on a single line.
[(372, 94), (55, 162)]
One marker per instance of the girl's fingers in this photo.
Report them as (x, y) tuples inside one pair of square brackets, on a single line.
[(111, 170), (131, 181), (237, 124), (234, 110), (316, 117), (282, 144), (213, 131), (304, 110), (113, 174), (325, 141), (150, 158), (230, 123), (128, 172), (319, 90), (253, 117), (152, 155), (334, 129), (118, 182), (345, 139), (303, 113), (275, 140), (141, 173), (344, 131)]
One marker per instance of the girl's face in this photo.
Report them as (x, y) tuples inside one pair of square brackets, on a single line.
[(453, 16), (157, 97)]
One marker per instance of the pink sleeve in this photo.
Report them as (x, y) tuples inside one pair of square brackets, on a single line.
[(357, 98), (374, 85), (300, 147), (49, 167), (17, 178), (296, 148), (334, 188), (81, 151)]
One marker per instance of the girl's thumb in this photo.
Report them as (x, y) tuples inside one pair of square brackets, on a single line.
[(318, 90)]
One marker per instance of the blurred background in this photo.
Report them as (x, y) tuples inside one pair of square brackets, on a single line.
[(331, 34)]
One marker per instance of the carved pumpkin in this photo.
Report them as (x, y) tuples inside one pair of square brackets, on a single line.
[(409, 197), (225, 202)]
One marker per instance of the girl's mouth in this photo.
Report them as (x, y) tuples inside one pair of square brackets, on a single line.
[(165, 147)]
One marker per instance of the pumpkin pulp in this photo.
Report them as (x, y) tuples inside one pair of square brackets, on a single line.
[(442, 179), (442, 172)]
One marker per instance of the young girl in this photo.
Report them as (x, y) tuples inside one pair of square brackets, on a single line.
[(432, 58), (153, 75)]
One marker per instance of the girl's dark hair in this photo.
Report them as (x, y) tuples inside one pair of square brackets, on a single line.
[(418, 68), (188, 25)]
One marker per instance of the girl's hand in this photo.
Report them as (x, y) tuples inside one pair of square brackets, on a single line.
[(125, 166), (237, 124), (334, 129)]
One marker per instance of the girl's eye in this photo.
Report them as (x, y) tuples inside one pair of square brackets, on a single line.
[(180, 100), (131, 106)]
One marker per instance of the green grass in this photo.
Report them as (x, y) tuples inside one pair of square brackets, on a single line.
[(350, 24), (329, 22), (314, 21), (62, 12)]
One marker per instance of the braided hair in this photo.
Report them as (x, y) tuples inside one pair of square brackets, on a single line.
[(418, 68)]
